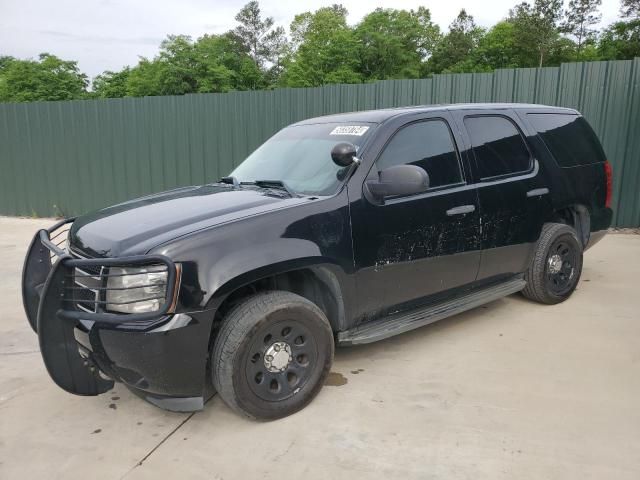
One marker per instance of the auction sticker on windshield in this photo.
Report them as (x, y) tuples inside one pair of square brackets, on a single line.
[(356, 130)]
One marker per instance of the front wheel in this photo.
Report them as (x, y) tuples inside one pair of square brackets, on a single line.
[(555, 269), (272, 355)]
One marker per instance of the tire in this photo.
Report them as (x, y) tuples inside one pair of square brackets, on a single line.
[(556, 266), (250, 351)]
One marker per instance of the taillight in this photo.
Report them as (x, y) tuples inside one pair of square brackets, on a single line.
[(608, 171)]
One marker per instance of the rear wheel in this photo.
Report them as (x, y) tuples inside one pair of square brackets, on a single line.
[(272, 355), (555, 269)]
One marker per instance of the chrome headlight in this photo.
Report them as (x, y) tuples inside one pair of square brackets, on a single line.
[(136, 289)]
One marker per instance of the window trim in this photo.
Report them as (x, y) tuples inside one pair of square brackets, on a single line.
[(497, 178), (466, 187), (463, 179)]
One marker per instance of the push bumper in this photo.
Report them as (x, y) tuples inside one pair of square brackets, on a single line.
[(160, 355)]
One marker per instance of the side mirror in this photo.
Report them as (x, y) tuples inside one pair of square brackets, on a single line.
[(401, 180), (343, 154)]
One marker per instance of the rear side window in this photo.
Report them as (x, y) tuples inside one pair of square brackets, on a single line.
[(429, 145), (569, 138), (498, 146)]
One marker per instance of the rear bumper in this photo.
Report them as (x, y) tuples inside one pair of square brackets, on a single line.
[(162, 356), (601, 219)]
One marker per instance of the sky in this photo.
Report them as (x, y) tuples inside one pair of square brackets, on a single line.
[(110, 34)]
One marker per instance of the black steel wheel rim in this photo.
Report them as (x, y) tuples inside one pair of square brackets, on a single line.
[(275, 386), (560, 270)]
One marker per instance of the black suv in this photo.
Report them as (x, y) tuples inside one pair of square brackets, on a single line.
[(343, 229)]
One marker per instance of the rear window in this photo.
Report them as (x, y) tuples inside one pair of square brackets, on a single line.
[(497, 145), (569, 138)]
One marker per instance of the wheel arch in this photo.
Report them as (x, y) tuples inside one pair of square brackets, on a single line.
[(312, 278), (576, 216)]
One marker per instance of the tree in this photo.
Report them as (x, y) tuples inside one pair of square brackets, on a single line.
[(387, 43), (280, 51), (497, 48), (48, 78), (223, 64), (620, 41), (630, 9), (178, 66), (213, 63), (455, 47), (111, 84), (563, 50), (326, 50), (171, 72), (144, 79), (537, 28), (581, 15), (266, 45), (395, 43), (4, 61)]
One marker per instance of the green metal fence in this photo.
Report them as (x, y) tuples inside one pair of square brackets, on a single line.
[(64, 158)]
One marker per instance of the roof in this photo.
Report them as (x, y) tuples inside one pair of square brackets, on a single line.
[(379, 116)]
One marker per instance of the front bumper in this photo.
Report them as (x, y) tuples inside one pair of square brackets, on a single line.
[(161, 355)]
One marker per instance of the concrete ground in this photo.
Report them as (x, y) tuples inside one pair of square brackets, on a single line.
[(511, 390)]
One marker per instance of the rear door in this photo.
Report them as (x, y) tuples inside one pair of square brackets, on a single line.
[(513, 194), (411, 249)]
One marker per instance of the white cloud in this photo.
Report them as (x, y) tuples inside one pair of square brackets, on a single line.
[(109, 34)]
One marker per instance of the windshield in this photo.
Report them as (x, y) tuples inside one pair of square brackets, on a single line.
[(300, 157)]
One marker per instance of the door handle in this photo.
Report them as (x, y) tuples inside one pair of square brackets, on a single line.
[(461, 210), (537, 192)]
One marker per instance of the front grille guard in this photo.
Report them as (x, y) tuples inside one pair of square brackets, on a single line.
[(47, 255), (45, 249), (47, 294), (72, 276)]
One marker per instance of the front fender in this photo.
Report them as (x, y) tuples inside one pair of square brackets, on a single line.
[(279, 256), (330, 275), (216, 262)]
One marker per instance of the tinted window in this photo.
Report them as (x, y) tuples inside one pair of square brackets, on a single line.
[(498, 146), (569, 138), (428, 145)]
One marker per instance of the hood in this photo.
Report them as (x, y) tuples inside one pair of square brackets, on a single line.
[(136, 226)]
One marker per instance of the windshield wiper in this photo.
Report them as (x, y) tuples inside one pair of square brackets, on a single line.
[(230, 180), (277, 184)]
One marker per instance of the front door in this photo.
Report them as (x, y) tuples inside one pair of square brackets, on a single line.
[(416, 249)]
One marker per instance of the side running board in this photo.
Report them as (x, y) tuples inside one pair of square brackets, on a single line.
[(403, 322)]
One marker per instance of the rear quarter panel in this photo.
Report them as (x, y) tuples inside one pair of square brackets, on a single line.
[(583, 185)]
